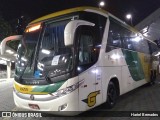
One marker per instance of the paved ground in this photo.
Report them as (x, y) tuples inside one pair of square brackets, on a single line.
[(145, 98), (3, 74), (6, 97)]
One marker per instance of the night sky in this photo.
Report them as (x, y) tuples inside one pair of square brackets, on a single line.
[(13, 9)]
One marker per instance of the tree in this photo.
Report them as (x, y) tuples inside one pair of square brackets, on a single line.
[(22, 23), (5, 29)]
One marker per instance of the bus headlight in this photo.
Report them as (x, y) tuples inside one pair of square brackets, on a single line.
[(67, 90)]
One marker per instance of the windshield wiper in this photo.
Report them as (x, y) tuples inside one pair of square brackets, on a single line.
[(47, 78), (29, 61), (20, 77)]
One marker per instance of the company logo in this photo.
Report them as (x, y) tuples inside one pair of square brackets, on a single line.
[(91, 99), (6, 114)]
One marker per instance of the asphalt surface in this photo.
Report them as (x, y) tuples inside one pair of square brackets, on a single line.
[(145, 98)]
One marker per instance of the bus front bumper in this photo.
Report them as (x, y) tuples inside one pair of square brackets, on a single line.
[(67, 102)]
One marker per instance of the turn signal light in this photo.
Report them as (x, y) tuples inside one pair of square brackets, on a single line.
[(33, 28)]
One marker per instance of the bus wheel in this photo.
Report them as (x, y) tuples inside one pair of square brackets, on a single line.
[(111, 95)]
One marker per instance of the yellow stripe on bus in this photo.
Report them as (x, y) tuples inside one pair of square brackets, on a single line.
[(63, 12), (26, 89), (146, 65)]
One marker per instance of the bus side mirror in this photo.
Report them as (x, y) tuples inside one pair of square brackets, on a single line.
[(4, 41), (70, 30)]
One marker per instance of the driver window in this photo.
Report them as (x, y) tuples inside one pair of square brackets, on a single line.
[(85, 48)]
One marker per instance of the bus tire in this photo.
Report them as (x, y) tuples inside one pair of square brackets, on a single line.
[(111, 95)]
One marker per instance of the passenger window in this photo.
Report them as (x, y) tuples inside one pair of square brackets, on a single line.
[(152, 47), (114, 36), (145, 46), (119, 36), (140, 44), (128, 40)]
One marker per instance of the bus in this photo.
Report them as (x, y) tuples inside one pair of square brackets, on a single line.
[(77, 59)]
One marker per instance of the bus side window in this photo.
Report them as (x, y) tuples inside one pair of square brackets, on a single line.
[(114, 36), (152, 47), (119, 35), (140, 44)]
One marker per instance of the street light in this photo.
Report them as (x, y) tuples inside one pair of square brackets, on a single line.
[(101, 4), (129, 17)]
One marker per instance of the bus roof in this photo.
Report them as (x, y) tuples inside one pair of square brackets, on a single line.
[(63, 12), (84, 8)]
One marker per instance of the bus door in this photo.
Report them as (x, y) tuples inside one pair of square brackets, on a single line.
[(86, 68)]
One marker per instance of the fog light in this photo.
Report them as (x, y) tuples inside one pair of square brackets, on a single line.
[(62, 107)]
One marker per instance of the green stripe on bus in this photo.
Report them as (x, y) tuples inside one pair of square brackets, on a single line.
[(134, 64), (49, 88)]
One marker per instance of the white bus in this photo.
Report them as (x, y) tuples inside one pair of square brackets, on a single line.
[(77, 59)]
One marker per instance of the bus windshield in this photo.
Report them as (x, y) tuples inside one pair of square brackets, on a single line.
[(54, 58), (44, 55), (26, 51)]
